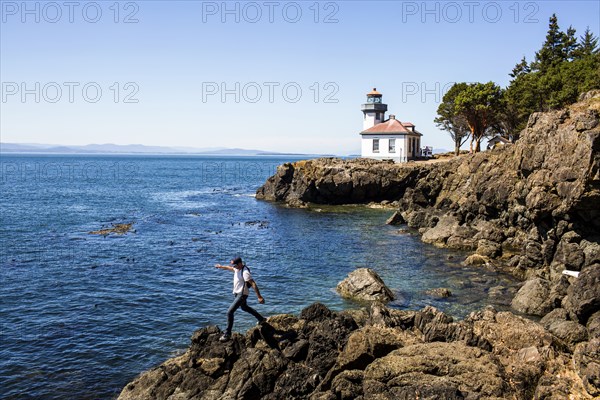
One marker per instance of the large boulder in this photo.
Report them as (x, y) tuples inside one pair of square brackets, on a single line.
[(533, 298), (438, 370), (364, 284)]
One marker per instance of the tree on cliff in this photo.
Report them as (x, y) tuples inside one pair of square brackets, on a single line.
[(470, 110), (553, 49), (563, 69), (479, 104), (455, 124)]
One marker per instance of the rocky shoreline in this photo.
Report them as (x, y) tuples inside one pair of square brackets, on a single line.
[(378, 353), (532, 208)]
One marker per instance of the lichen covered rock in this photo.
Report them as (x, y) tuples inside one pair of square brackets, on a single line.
[(363, 284)]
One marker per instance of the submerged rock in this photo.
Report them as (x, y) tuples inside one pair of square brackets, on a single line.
[(364, 284), (118, 229), (440, 293)]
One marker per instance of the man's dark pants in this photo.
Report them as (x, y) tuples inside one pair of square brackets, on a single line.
[(240, 301)]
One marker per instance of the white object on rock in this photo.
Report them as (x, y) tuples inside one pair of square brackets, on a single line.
[(571, 273)]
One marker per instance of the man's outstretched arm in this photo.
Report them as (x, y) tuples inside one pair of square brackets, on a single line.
[(227, 267)]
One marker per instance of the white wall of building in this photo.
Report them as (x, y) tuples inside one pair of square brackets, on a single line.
[(407, 147), (384, 143)]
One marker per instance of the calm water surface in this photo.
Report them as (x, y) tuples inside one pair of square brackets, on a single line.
[(83, 314)]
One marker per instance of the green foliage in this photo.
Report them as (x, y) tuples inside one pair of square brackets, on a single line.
[(472, 108), (450, 121), (563, 69), (480, 104), (588, 45)]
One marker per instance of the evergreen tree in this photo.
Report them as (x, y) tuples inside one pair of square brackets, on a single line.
[(588, 45), (569, 44), (551, 52), (563, 69), (520, 69)]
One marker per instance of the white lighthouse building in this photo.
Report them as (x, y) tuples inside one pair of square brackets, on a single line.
[(387, 139)]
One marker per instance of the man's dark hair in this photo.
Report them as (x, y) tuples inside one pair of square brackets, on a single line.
[(237, 260)]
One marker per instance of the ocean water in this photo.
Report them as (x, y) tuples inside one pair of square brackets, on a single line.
[(83, 314)]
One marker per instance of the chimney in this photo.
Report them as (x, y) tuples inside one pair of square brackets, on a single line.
[(392, 116)]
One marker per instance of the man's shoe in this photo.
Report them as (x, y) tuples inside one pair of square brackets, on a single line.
[(226, 336)]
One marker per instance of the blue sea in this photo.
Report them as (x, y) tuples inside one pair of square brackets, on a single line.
[(82, 314)]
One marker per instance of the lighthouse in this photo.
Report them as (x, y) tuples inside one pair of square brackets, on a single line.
[(387, 139), (373, 110)]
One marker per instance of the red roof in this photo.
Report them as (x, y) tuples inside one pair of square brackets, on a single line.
[(389, 127), (374, 92)]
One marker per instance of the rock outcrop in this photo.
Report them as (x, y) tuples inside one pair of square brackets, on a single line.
[(363, 284), (531, 208), (377, 353)]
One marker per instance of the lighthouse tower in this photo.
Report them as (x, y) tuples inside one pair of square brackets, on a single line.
[(373, 110)]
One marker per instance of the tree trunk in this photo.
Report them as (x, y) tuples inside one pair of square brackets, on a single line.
[(456, 148), (478, 145)]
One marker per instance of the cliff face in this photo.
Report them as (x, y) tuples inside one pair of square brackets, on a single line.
[(532, 207), (371, 353)]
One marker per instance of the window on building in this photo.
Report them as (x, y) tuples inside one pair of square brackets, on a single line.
[(392, 146), (375, 145)]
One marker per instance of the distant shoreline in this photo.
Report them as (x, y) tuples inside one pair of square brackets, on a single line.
[(163, 154)]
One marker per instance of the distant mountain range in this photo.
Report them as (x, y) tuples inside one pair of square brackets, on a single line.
[(129, 149)]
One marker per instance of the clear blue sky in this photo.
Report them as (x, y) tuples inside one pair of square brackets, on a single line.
[(175, 58)]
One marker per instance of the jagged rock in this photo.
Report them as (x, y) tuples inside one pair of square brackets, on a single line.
[(316, 312), (593, 325), (556, 315), (583, 296), (569, 331), (395, 219), (533, 298), (476, 260), (367, 344), (587, 364), (488, 248), (440, 293), (441, 232), (364, 284), (328, 356), (379, 315)]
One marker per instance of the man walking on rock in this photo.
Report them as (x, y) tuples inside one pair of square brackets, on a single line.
[(241, 280)]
